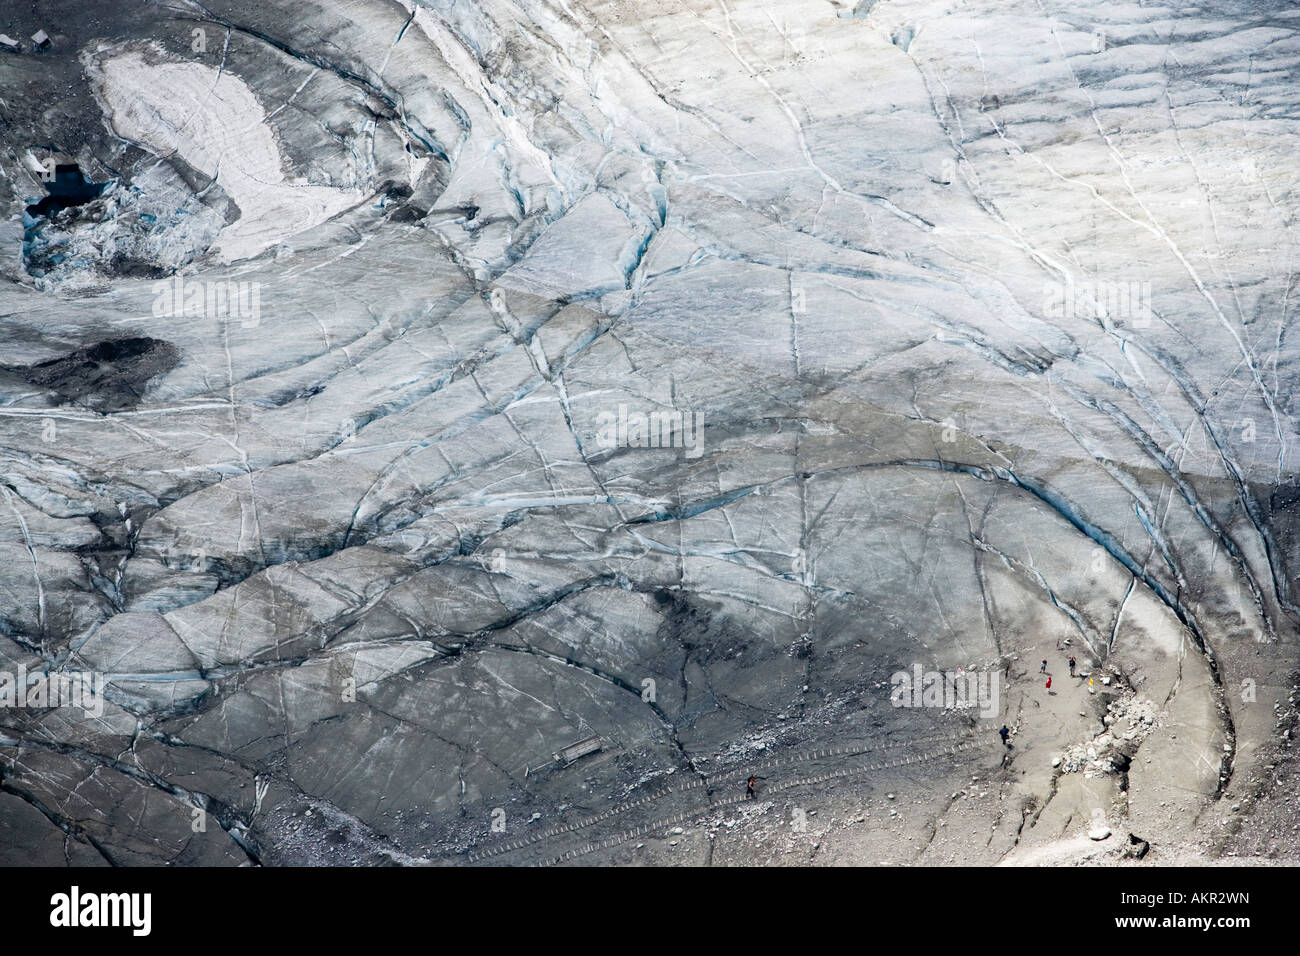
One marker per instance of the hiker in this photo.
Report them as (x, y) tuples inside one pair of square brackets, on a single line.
[(749, 787), (1005, 732), (1049, 681), (1072, 665), (1043, 669)]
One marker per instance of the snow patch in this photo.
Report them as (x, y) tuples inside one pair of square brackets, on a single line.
[(211, 119)]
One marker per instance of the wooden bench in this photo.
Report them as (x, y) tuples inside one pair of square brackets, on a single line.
[(577, 750)]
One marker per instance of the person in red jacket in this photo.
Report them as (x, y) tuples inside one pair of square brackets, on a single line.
[(1049, 681)]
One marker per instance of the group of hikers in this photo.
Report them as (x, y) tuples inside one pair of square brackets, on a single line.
[(1043, 670), (1005, 731)]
